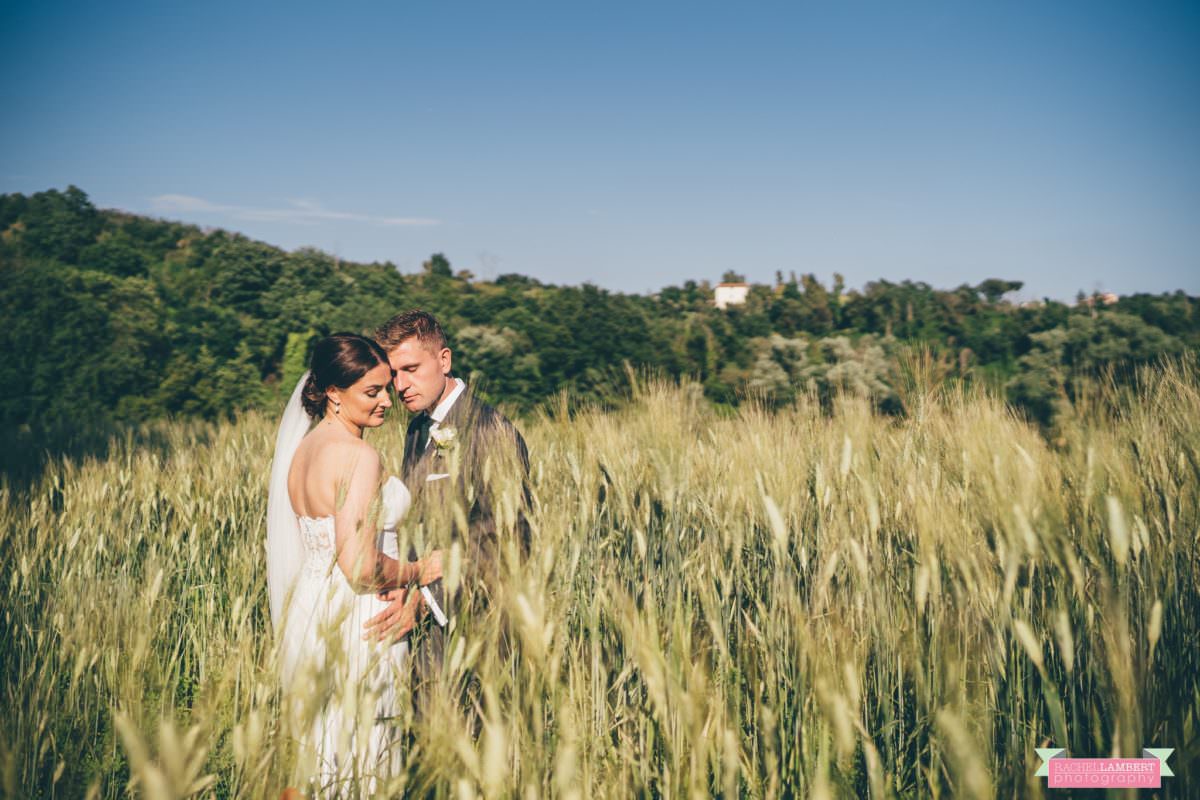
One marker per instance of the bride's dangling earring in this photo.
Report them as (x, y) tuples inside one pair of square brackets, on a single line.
[(337, 407)]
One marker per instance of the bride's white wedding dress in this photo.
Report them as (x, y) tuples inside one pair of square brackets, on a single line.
[(340, 689), (347, 685)]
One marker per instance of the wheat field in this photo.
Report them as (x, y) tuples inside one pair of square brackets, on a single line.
[(809, 602)]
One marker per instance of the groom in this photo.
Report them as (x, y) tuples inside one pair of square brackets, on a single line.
[(467, 469)]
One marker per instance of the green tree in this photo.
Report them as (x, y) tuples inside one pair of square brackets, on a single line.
[(778, 368), (1063, 359), (994, 288), (438, 266), (58, 225), (114, 253)]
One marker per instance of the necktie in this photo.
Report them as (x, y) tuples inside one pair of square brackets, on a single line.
[(424, 423)]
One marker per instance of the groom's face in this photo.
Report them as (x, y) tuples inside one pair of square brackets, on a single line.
[(421, 374)]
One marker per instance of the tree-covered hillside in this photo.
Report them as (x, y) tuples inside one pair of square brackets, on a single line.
[(113, 317)]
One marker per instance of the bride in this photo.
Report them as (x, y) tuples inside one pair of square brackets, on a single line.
[(331, 546)]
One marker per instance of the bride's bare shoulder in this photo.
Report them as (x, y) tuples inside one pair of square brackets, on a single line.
[(338, 452), (357, 454)]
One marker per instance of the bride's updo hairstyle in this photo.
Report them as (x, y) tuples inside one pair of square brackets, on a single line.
[(338, 361)]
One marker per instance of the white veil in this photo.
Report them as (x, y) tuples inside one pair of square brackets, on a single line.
[(285, 551)]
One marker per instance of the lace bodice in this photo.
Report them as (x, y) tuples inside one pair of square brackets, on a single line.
[(320, 543)]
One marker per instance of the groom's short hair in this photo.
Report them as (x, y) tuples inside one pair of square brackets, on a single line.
[(417, 324)]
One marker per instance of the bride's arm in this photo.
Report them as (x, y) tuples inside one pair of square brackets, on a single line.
[(366, 569), (355, 530)]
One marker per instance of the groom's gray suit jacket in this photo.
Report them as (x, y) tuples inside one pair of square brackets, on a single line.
[(475, 492)]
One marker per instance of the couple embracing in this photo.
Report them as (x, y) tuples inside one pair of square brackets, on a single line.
[(361, 612)]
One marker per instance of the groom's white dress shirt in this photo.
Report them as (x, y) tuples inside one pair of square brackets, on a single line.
[(438, 415)]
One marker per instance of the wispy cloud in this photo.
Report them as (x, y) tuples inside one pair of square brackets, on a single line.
[(303, 212)]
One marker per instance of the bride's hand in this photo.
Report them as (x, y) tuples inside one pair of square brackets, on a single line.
[(431, 568)]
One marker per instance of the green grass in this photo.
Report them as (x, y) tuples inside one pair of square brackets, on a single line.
[(794, 603)]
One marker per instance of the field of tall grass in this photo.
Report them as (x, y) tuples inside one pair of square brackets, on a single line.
[(812, 602)]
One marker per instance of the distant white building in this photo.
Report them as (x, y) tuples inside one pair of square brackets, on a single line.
[(730, 294), (1104, 299)]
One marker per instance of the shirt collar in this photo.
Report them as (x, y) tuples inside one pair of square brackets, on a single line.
[(443, 408)]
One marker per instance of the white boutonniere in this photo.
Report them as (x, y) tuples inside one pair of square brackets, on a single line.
[(444, 437)]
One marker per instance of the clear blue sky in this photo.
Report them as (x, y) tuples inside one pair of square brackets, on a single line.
[(636, 145)]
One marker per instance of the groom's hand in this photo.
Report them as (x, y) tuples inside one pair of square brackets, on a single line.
[(397, 619), (431, 568)]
